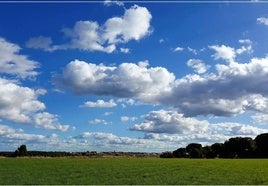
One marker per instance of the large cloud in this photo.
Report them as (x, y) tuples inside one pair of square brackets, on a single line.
[(234, 89), (126, 80), (171, 122), (13, 63), (91, 36), (171, 126), (21, 105)]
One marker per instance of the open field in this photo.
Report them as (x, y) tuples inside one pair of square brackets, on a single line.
[(132, 171)]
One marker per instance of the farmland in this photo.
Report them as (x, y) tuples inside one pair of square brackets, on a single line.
[(123, 170)]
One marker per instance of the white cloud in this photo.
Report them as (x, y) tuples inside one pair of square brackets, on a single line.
[(107, 113), (171, 122), (21, 105), (125, 50), (161, 40), (236, 129), (198, 65), (100, 104), (41, 42), (128, 80), (111, 2), (245, 41), (17, 103), (223, 52), (85, 36), (126, 119), (49, 121), (262, 20), (135, 24), (234, 89), (260, 118), (192, 50), (90, 36), (99, 121), (178, 49), (13, 63), (11, 139)]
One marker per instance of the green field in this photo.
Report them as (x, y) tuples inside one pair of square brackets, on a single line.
[(132, 171)]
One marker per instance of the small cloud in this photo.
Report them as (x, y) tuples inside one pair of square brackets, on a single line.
[(198, 65), (192, 50), (245, 41), (108, 113), (100, 104), (161, 40), (99, 121), (125, 50), (178, 49), (262, 20), (41, 42), (126, 119), (110, 2)]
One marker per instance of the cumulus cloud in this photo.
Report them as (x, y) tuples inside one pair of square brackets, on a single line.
[(234, 89), (100, 104), (135, 24), (21, 105), (260, 118), (223, 52), (171, 122), (85, 36), (236, 129), (11, 139), (262, 20), (13, 63), (17, 102), (91, 36), (128, 80), (49, 121), (198, 65), (172, 126)]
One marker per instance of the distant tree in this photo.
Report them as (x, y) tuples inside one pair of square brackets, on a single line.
[(217, 149), (239, 147), (208, 152), (166, 154), (262, 145), (194, 150), (180, 153), (21, 151)]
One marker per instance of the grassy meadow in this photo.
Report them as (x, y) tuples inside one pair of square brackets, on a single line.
[(154, 171)]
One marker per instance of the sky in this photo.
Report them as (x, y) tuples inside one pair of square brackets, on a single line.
[(131, 76)]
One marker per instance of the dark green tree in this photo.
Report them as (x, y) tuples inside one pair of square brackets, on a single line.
[(262, 145), (166, 154), (194, 150), (239, 147), (21, 151), (180, 153)]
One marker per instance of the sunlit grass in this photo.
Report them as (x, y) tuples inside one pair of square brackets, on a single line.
[(128, 171)]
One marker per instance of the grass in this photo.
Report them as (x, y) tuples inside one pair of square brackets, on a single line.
[(153, 171)]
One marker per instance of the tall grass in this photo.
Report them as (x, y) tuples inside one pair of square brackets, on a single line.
[(153, 171)]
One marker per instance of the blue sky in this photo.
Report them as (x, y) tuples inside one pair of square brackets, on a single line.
[(133, 76)]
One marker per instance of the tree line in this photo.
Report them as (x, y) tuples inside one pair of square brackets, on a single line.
[(237, 147)]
